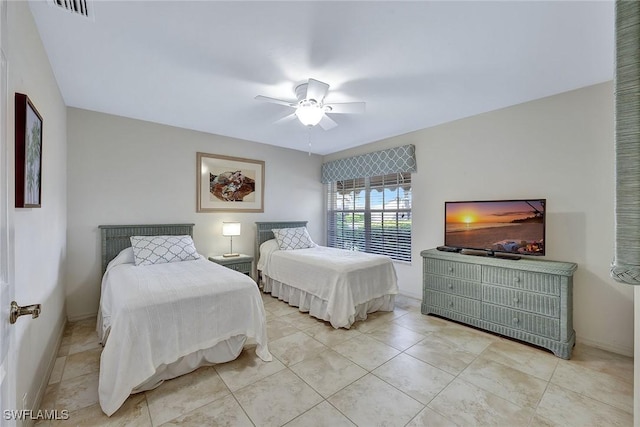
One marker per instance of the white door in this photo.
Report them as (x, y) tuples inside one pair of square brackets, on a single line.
[(7, 359)]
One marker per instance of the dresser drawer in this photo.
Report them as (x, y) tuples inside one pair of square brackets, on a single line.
[(466, 306), (519, 279), (547, 305), (528, 322), (459, 270), (243, 267), (453, 286)]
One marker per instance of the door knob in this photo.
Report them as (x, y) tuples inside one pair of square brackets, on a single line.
[(17, 311)]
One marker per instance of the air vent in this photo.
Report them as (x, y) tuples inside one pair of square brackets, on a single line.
[(77, 7)]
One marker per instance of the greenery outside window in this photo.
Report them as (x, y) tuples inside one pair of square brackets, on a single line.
[(371, 215)]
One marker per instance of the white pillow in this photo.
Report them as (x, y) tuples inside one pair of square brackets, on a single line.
[(293, 238), (149, 250), (266, 249), (124, 257)]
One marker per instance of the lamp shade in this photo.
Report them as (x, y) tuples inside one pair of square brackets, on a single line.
[(230, 228), (309, 113)]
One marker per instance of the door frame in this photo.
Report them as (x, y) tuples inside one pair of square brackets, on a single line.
[(8, 400)]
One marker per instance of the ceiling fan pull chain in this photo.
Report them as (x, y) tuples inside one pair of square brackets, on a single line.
[(309, 138)]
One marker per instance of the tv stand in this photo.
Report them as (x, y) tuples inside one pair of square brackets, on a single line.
[(529, 300)]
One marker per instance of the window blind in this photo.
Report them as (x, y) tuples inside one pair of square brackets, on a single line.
[(371, 214)]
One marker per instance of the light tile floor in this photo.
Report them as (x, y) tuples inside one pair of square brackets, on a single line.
[(394, 369)]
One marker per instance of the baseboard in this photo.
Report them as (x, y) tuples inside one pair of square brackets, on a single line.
[(52, 361), (79, 317), (625, 351), (411, 295)]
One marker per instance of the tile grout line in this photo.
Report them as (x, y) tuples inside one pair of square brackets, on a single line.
[(326, 399), (371, 371)]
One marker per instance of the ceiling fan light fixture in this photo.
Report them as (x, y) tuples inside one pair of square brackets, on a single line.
[(309, 112), (310, 107)]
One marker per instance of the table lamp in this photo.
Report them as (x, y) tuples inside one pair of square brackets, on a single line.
[(231, 229)]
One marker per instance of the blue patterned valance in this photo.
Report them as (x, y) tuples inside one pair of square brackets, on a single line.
[(393, 160)]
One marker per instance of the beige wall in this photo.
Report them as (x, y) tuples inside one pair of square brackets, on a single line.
[(560, 148), (125, 171), (40, 234)]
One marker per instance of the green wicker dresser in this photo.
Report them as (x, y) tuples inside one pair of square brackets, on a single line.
[(529, 300)]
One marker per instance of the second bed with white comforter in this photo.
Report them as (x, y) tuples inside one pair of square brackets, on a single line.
[(335, 285)]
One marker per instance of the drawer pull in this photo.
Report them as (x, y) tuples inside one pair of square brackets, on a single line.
[(450, 286), (450, 303), (516, 320), (517, 279), (450, 269), (516, 300)]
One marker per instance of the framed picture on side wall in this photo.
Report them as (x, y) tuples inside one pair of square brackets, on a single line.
[(231, 184), (28, 153)]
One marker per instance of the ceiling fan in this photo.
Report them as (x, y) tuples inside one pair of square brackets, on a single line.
[(310, 107)]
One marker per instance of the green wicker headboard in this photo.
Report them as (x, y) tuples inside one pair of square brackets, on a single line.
[(264, 232), (115, 238)]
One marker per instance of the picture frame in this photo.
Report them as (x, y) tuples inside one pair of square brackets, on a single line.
[(28, 153), (229, 184)]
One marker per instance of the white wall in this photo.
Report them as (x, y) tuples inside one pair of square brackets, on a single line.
[(560, 148), (125, 171), (40, 234)]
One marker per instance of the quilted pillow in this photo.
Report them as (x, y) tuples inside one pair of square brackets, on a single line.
[(149, 250), (293, 238)]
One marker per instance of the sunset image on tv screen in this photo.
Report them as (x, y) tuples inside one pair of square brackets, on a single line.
[(515, 226)]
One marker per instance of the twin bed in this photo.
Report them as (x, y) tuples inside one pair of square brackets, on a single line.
[(166, 319), (334, 285)]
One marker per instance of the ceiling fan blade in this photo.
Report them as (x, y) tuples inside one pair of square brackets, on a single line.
[(285, 119), (347, 108), (327, 123), (316, 90), (275, 101)]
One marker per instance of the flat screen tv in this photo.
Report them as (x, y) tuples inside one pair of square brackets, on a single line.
[(496, 226)]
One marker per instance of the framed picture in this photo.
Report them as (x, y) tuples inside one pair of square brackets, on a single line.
[(229, 184), (28, 153)]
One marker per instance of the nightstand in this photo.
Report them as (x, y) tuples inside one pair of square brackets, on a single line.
[(241, 263)]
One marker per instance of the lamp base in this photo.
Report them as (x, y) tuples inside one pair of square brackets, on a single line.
[(230, 255)]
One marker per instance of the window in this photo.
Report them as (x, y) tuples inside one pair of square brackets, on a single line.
[(371, 215)]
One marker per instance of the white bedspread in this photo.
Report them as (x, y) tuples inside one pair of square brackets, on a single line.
[(152, 315), (343, 278)]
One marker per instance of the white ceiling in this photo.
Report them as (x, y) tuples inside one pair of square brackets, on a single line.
[(199, 65)]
